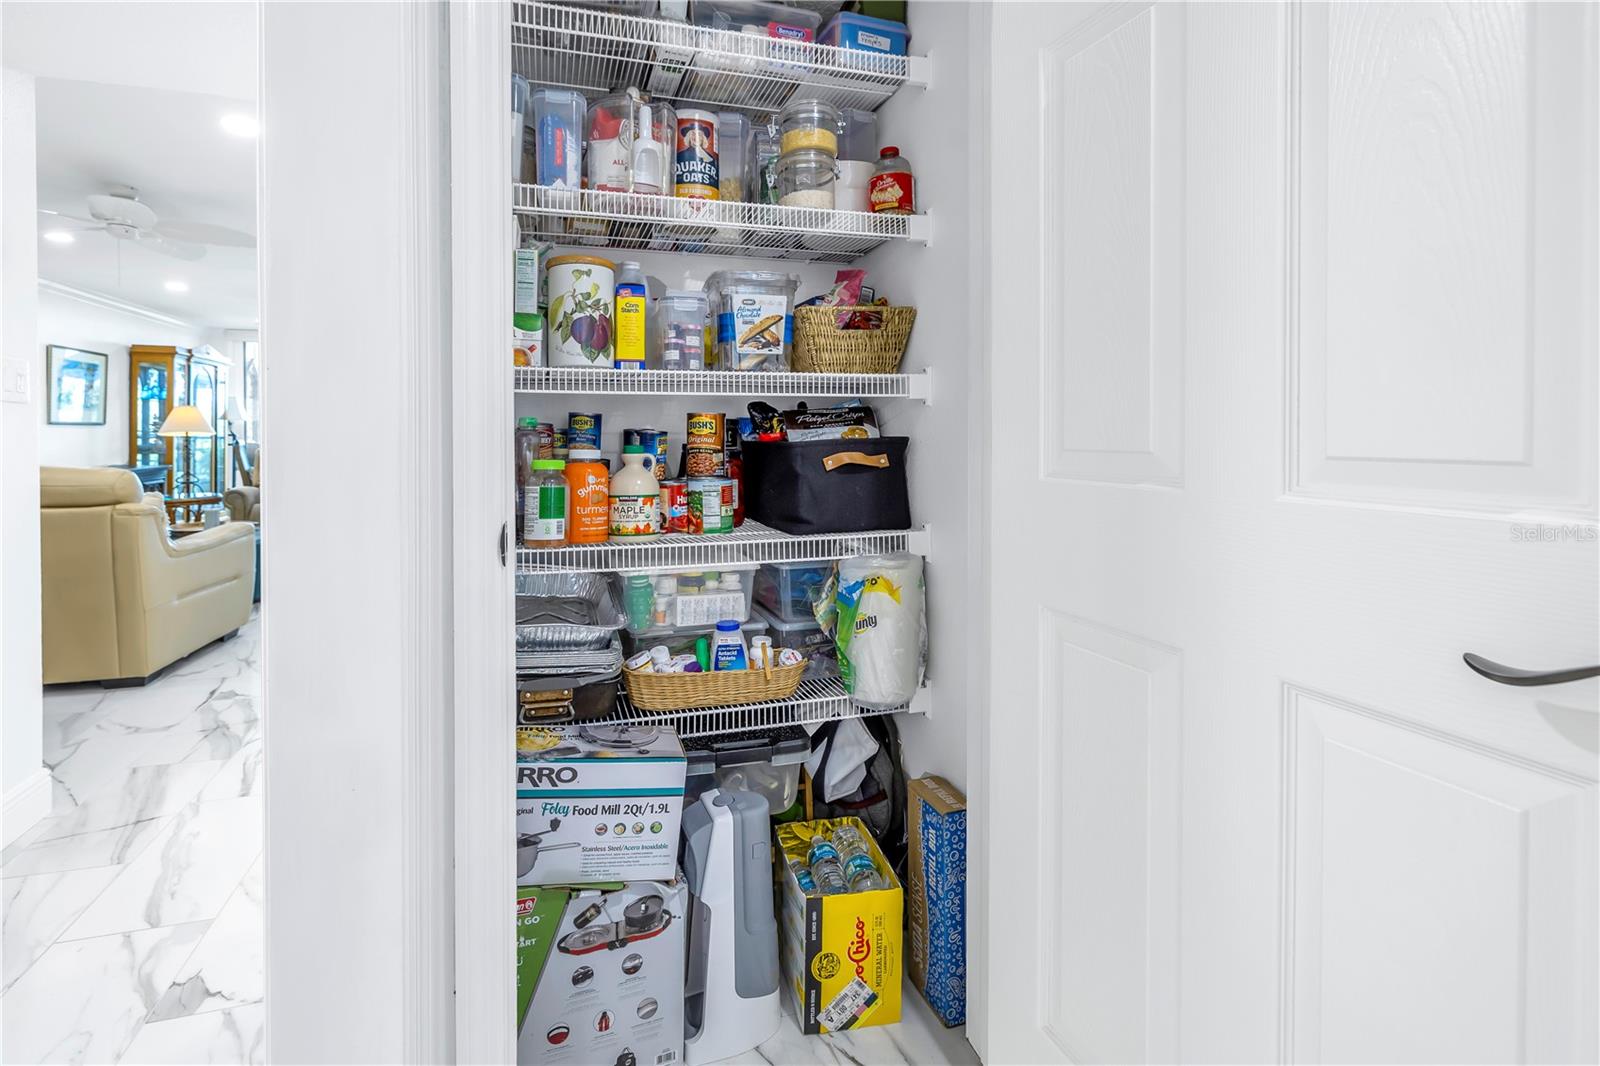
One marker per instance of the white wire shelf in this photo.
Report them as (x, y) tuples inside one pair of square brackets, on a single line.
[(595, 219), (598, 51), (607, 382), (750, 543), (817, 700)]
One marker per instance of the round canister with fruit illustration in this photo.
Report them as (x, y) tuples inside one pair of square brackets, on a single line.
[(581, 315)]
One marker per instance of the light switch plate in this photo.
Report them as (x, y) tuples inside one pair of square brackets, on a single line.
[(16, 381)]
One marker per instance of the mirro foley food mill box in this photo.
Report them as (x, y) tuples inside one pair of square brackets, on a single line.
[(600, 974), (598, 802), (841, 952)]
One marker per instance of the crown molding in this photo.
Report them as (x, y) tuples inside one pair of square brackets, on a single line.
[(111, 303)]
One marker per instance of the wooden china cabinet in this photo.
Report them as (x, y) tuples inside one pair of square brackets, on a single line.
[(161, 377)]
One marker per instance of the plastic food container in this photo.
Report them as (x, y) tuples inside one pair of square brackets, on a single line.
[(628, 144), (681, 330), (553, 122), (754, 318), (680, 640), (809, 124), (520, 161), (806, 178), (858, 135), (766, 761), (789, 590), (735, 145), (863, 33), (765, 166), (807, 638), (758, 18), (696, 598)]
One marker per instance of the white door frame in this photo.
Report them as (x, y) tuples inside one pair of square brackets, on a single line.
[(356, 536), (485, 800)]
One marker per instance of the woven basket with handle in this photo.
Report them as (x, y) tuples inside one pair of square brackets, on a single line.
[(821, 347), (679, 692)]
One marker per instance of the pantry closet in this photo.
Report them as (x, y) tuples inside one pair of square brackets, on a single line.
[(922, 260)]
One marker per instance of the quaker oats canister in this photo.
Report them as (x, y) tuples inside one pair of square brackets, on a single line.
[(696, 175)]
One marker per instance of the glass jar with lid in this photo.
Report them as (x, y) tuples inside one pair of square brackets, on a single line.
[(809, 124), (806, 177)]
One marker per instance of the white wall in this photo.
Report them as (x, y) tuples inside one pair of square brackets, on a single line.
[(75, 323), (947, 436), (23, 782)]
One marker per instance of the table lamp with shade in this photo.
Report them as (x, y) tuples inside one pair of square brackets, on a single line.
[(186, 421)]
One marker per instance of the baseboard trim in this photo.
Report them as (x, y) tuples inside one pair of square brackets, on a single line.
[(25, 805)]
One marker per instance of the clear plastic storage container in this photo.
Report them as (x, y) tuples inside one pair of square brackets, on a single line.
[(758, 18), (553, 137), (628, 144), (681, 330), (806, 179), (696, 598), (789, 590), (864, 33), (809, 124), (521, 162), (735, 147), (858, 135), (767, 762), (754, 318), (681, 640), (807, 638)]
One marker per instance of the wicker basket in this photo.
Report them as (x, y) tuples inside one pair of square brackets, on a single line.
[(821, 347), (679, 692)]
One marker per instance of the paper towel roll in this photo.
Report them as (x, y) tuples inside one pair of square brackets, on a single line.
[(882, 628)]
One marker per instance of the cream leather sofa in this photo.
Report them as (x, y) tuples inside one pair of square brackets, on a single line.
[(121, 599)]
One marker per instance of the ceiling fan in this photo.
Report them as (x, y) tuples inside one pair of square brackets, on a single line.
[(121, 215)]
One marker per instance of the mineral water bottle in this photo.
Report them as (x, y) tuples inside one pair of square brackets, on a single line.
[(825, 868), (802, 874), (860, 872)]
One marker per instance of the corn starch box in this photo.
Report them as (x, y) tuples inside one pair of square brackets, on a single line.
[(841, 952), (936, 871)]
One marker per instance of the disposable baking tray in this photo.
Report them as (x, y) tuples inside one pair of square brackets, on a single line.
[(561, 611), (607, 660)]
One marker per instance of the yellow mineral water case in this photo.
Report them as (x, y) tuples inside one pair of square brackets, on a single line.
[(842, 954)]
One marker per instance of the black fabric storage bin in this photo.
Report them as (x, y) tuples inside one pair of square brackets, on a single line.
[(827, 486)]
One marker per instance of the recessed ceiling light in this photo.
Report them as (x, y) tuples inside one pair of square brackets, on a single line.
[(177, 286), (241, 125), (59, 236)]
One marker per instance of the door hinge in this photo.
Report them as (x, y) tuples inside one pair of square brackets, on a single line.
[(503, 529)]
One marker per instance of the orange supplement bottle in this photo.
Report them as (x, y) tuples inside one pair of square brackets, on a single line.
[(588, 498)]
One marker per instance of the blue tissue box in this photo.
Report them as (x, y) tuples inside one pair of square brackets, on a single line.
[(936, 895)]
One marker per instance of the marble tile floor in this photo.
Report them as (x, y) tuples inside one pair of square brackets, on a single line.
[(132, 917)]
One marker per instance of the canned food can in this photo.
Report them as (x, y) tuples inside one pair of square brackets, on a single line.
[(547, 441), (675, 505), (710, 505), (706, 429), (583, 431), (654, 443), (702, 462)]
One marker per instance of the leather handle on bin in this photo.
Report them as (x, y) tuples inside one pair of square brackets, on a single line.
[(838, 459)]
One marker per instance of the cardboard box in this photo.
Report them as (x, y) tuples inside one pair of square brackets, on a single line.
[(936, 867), (600, 974), (841, 953), (598, 802)]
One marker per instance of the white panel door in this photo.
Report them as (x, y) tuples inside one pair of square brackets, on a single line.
[(1293, 375)]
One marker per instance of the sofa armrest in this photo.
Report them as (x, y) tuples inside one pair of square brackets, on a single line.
[(243, 503)]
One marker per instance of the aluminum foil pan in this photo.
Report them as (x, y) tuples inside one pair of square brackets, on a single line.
[(567, 612), (606, 660)]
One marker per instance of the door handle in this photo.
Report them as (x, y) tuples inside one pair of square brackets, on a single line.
[(1510, 675)]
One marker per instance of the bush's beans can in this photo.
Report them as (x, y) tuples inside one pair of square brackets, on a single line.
[(654, 443), (695, 173), (583, 431), (710, 505), (675, 506), (704, 456)]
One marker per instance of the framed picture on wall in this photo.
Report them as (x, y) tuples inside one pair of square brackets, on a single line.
[(77, 386)]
